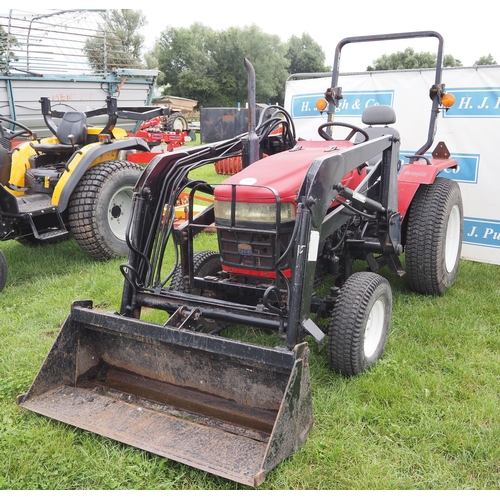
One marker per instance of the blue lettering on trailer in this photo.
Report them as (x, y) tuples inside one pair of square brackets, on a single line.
[(352, 104), (474, 102)]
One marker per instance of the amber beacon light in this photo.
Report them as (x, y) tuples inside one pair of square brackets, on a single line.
[(321, 104), (448, 100)]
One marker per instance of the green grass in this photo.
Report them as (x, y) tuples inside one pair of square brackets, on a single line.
[(426, 417)]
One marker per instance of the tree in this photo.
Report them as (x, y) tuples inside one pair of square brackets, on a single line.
[(267, 55), (118, 45), (409, 59), (305, 55), (208, 66), (449, 61), (485, 60), (186, 64), (6, 44)]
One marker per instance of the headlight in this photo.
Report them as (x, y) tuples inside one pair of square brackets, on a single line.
[(254, 212)]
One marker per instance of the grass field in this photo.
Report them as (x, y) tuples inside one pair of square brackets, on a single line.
[(426, 417)]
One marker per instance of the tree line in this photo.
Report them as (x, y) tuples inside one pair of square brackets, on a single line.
[(207, 65)]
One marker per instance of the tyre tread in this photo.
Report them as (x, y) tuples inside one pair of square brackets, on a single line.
[(426, 226), (345, 331), (82, 207)]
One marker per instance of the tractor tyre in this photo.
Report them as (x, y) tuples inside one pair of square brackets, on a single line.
[(100, 208), (177, 121), (3, 271), (359, 324), (434, 237), (205, 263)]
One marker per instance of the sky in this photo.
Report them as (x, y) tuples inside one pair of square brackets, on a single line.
[(469, 32)]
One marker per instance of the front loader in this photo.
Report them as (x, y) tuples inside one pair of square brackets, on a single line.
[(285, 234)]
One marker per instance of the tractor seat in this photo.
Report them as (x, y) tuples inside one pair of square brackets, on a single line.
[(72, 123), (378, 118)]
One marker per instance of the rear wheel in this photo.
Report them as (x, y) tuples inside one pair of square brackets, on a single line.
[(359, 325), (177, 121), (434, 237), (3, 270), (100, 207)]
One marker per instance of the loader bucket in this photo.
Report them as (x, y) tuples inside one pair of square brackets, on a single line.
[(233, 409)]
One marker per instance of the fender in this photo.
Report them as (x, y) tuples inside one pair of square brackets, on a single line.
[(413, 175), (20, 163), (84, 159)]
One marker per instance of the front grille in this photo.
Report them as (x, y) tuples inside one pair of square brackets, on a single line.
[(253, 250)]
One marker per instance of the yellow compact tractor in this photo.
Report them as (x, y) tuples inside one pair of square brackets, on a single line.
[(77, 182)]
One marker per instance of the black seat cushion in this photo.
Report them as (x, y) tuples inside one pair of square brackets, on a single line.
[(73, 123)]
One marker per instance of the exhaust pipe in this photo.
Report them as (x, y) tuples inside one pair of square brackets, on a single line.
[(230, 408), (250, 152)]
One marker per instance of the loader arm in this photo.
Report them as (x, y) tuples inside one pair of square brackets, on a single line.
[(158, 189), (320, 188)]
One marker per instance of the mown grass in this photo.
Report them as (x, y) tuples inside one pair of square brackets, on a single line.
[(426, 417)]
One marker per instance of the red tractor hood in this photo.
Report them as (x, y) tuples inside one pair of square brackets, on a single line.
[(282, 173)]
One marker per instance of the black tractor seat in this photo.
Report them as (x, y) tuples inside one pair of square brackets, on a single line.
[(378, 119), (71, 133)]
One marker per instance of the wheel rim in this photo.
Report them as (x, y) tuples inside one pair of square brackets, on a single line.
[(452, 239), (119, 210), (374, 328), (178, 124)]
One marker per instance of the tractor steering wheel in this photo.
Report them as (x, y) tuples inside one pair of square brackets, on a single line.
[(353, 131), (24, 133)]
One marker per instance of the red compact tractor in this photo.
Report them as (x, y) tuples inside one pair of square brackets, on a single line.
[(289, 228)]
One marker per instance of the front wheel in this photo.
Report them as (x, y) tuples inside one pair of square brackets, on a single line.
[(205, 263), (100, 207), (434, 237), (359, 324)]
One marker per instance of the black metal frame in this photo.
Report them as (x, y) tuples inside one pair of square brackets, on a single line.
[(112, 110), (334, 93), (287, 302)]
